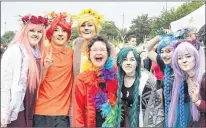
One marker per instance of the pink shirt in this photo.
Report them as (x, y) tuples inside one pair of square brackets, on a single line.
[(157, 72)]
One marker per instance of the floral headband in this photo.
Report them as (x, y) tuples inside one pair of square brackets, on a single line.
[(63, 15), (90, 12), (34, 20)]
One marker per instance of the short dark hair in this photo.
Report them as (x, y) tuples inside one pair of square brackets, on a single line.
[(131, 36), (103, 40)]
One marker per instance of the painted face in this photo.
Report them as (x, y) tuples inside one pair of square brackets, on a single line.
[(186, 62), (34, 35), (87, 30), (166, 55), (98, 54), (129, 64), (132, 41), (59, 36)]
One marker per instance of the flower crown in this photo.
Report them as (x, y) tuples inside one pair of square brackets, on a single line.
[(97, 17), (34, 20), (63, 15)]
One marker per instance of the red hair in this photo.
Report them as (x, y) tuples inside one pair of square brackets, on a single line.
[(59, 22)]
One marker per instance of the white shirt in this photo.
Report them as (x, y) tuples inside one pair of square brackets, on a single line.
[(14, 71)]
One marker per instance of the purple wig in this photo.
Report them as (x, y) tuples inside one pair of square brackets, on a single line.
[(179, 76)]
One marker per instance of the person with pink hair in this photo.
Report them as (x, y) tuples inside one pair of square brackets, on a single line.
[(20, 73), (186, 65)]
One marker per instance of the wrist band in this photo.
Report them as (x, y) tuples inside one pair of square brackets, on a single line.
[(196, 101)]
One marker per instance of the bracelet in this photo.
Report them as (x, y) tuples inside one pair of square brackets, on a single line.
[(196, 101)]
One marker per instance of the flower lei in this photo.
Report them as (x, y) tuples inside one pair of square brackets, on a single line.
[(34, 20), (105, 98)]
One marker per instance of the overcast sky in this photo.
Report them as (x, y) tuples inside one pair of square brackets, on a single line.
[(111, 10)]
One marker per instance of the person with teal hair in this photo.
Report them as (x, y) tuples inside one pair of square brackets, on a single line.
[(138, 99), (163, 58)]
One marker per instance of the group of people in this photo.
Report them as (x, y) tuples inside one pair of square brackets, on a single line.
[(90, 85)]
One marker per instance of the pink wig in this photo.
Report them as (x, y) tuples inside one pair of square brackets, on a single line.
[(21, 37)]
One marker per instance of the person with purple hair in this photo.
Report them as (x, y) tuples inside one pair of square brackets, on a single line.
[(186, 66)]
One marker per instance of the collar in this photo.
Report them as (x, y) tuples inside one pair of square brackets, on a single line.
[(64, 50)]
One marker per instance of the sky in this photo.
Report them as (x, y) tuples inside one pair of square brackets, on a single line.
[(112, 11)]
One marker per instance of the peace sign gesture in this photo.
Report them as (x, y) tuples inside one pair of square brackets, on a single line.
[(48, 61)]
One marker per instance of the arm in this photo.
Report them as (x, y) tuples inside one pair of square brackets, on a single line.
[(78, 103), (152, 54), (201, 104), (13, 88), (47, 62)]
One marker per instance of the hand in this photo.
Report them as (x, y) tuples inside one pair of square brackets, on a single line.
[(167, 31), (48, 61), (3, 123), (193, 90)]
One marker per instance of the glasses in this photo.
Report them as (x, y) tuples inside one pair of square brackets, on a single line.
[(95, 50)]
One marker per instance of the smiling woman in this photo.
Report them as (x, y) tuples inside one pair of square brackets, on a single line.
[(186, 66), (89, 25), (94, 90), (20, 71)]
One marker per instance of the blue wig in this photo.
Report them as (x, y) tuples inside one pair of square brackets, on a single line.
[(165, 40)]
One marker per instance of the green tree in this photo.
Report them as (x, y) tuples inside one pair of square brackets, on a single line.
[(168, 16), (140, 27), (110, 31), (74, 35), (7, 37)]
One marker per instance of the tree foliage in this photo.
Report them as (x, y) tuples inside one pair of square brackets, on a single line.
[(168, 16), (140, 27), (110, 31), (7, 37)]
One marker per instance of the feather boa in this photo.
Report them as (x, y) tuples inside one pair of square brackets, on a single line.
[(105, 99)]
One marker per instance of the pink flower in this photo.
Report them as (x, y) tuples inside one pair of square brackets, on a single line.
[(34, 20), (25, 18)]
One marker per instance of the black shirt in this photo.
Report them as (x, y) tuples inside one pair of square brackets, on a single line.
[(160, 62), (127, 95)]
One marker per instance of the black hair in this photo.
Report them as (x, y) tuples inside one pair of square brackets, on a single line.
[(103, 40)]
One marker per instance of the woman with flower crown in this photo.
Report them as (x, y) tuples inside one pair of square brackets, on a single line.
[(20, 73), (94, 90)]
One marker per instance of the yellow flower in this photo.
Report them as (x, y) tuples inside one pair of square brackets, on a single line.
[(53, 14), (64, 14)]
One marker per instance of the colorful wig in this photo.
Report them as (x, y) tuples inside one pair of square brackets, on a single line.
[(166, 40), (21, 37), (89, 15), (120, 58), (180, 76), (185, 31), (59, 20)]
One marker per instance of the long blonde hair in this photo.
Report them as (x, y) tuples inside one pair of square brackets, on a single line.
[(22, 38)]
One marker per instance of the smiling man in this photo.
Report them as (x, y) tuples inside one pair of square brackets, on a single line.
[(53, 103)]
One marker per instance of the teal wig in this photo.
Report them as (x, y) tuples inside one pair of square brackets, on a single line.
[(120, 58)]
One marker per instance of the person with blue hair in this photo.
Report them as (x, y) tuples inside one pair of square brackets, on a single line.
[(163, 58)]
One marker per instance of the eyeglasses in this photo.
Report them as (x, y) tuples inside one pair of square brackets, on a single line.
[(95, 50)]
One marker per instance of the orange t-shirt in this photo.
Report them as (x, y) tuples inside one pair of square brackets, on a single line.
[(54, 94)]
